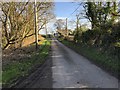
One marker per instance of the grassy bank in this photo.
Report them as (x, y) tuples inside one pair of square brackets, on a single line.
[(103, 60), (17, 69)]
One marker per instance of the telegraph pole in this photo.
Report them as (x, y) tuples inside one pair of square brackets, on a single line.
[(77, 22), (35, 24), (66, 27), (46, 28)]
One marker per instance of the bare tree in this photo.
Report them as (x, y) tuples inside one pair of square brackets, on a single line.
[(18, 20)]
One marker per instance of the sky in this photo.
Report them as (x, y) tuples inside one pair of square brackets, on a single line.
[(64, 10)]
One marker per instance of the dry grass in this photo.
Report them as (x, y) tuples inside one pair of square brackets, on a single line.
[(31, 39), (19, 54), (19, 62)]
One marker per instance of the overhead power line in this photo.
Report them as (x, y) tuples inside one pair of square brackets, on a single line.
[(75, 10)]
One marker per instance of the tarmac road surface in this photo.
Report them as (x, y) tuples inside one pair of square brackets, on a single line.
[(71, 70), (67, 69)]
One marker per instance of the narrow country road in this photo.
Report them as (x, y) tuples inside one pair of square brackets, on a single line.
[(67, 69), (71, 70)]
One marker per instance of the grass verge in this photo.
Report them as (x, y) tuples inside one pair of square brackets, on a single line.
[(103, 60), (18, 69)]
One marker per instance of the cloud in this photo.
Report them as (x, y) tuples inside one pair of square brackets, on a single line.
[(60, 17)]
